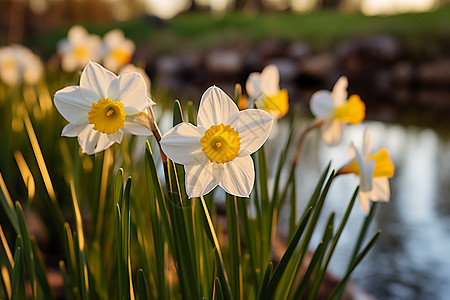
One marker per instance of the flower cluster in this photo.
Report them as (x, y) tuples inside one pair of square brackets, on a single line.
[(80, 47), (19, 65), (217, 151)]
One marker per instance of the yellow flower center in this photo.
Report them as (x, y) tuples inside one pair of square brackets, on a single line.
[(221, 143), (278, 104), (383, 165), (107, 116), (353, 111), (81, 52), (121, 56)]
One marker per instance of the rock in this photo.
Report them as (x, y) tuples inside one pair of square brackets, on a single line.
[(298, 50), (403, 73)]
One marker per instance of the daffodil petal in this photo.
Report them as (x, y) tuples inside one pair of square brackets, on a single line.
[(253, 86), (270, 81), (88, 139), (254, 126), (136, 128), (364, 201), (366, 143), (105, 142), (95, 81), (238, 177), (72, 106), (215, 108), (339, 92), (129, 88), (202, 178), (331, 132), (380, 189), (321, 104), (116, 137), (182, 144), (72, 130)]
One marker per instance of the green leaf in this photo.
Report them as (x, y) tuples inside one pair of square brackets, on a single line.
[(142, 290), (234, 247), (190, 111), (354, 264), (8, 205), (18, 276), (27, 250), (286, 258), (177, 113), (262, 290)]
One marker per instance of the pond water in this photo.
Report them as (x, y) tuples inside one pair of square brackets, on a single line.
[(411, 259)]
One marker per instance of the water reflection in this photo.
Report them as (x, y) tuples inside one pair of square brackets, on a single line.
[(410, 260)]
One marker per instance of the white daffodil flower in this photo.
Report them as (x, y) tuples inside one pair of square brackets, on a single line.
[(19, 65), (117, 50), (334, 110), (79, 48), (373, 170), (217, 150), (103, 107), (264, 89)]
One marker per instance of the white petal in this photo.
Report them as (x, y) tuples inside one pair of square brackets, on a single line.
[(352, 151), (380, 189), (253, 85), (72, 130), (366, 172), (202, 178), (72, 106), (366, 143), (95, 81), (116, 137), (321, 104), (364, 201), (254, 126), (136, 128), (88, 139), (215, 108), (270, 81), (92, 141), (129, 88), (331, 132), (182, 144), (238, 177), (339, 92)]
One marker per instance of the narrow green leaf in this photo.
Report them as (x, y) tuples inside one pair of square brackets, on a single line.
[(218, 295), (262, 290), (27, 250), (354, 264), (190, 111), (118, 186), (8, 205), (177, 113), (62, 269), (18, 276), (234, 247), (142, 290), (286, 258), (223, 278)]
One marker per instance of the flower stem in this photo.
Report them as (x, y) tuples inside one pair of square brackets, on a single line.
[(311, 125)]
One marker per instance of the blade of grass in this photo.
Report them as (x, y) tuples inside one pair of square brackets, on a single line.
[(18, 276), (8, 205), (142, 286), (234, 247), (262, 290), (27, 251), (286, 258)]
